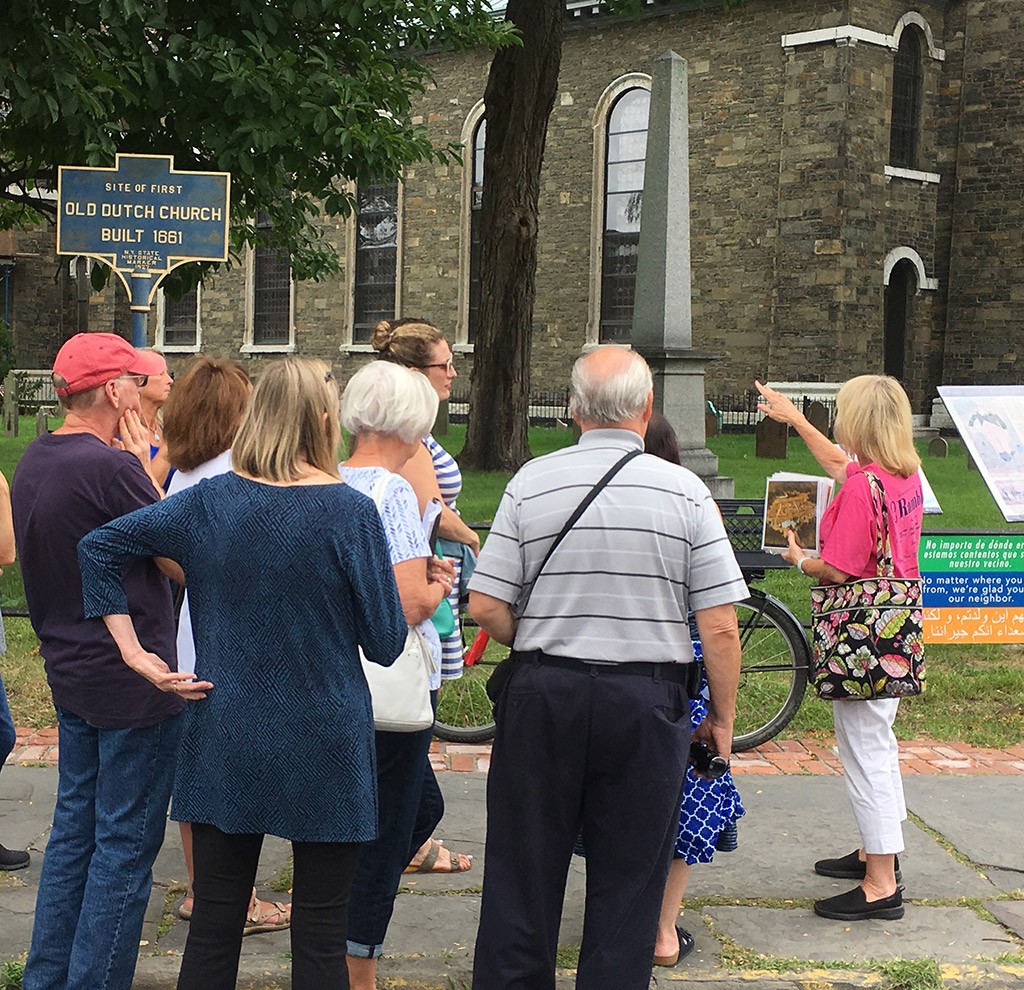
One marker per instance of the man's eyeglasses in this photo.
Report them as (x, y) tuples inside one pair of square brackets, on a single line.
[(448, 365), (139, 380)]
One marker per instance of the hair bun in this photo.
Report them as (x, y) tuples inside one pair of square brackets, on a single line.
[(383, 334)]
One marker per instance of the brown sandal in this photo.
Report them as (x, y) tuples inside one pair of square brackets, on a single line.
[(430, 865)]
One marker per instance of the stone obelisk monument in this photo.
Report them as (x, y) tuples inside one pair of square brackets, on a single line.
[(661, 313)]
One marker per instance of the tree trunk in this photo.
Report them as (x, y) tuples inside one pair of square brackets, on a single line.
[(520, 93)]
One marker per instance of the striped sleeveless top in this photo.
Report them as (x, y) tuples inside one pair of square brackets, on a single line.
[(449, 477)]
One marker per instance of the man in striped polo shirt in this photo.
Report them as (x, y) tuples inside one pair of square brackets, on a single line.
[(593, 725)]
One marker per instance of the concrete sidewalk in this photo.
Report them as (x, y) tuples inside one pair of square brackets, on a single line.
[(749, 910)]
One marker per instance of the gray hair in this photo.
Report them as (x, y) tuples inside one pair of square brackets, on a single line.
[(386, 398), (610, 399)]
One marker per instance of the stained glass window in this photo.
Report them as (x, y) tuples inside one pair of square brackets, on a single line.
[(376, 258)]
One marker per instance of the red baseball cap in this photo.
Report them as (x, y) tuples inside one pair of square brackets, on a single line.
[(89, 360)]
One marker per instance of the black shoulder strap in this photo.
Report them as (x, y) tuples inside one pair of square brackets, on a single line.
[(577, 512)]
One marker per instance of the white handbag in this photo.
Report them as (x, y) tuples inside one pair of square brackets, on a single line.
[(401, 693)]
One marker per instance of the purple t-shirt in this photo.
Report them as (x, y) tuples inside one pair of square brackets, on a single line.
[(64, 487)]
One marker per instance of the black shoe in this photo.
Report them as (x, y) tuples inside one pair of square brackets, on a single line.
[(850, 867), (854, 906), (13, 859)]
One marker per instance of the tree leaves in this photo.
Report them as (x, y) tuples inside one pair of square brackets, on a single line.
[(289, 97)]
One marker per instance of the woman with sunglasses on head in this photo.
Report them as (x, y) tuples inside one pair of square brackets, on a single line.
[(434, 474)]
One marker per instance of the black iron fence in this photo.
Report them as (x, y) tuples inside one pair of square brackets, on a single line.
[(548, 407), (737, 411)]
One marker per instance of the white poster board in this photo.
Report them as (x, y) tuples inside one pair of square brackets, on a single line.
[(990, 419)]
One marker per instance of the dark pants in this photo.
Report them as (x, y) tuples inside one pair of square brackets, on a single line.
[(605, 751), (225, 873), (408, 811)]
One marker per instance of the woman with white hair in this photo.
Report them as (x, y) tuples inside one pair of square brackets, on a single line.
[(288, 574), (387, 410)]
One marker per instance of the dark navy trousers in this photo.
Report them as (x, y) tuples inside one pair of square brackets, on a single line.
[(600, 750)]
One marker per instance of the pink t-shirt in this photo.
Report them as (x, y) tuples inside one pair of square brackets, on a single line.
[(848, 531)]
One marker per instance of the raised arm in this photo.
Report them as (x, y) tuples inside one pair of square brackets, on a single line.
[(779, 407)]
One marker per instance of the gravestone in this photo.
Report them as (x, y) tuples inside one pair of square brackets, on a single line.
[(11, 405), (939, 447), (710, 425), (43, 420), (771, 439), (817, 416)]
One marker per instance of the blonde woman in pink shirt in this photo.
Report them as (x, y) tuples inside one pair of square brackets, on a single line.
[(873, 427)]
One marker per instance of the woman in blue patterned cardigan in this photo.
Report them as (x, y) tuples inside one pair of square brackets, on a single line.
[(288, 574)]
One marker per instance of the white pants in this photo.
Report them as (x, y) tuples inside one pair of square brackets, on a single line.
[(870, 758)]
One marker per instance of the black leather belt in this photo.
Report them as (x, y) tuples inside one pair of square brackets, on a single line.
[(686, 674)]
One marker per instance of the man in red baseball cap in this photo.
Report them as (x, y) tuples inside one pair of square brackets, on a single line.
[(118, 734), (89, 360)]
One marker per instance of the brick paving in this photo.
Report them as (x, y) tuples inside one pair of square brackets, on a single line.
[(815, 756)]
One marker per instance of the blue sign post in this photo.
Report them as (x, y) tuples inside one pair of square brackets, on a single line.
[(142, 218)]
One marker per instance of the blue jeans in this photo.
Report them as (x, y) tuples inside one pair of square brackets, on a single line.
[(7, 736), (112, 794), (403, 826)]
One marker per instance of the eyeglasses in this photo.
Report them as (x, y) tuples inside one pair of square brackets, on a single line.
[(448, 365), (139, 380)]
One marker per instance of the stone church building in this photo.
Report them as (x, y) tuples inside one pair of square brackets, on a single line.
[(857, 205)]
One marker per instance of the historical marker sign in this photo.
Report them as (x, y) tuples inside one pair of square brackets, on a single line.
[(143, 218), (973, 587)]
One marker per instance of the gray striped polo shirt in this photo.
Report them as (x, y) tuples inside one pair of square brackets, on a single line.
[(618, 587)]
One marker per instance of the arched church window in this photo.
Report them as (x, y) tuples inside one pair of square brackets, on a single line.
[(899, 294), (476, 198), (907, 78), (625, 153)]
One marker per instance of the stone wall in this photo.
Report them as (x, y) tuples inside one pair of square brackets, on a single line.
[(985, 334), (792, 211)]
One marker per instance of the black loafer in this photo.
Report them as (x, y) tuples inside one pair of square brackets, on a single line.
[(13, 859), (850, 867), (854, 906)]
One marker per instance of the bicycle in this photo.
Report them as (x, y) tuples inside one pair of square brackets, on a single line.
[(773, 677)]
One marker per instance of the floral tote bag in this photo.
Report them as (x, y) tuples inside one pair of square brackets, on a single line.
[(866, 634)]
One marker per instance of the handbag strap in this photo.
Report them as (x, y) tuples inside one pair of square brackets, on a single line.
[(574, 518), (883, 544)]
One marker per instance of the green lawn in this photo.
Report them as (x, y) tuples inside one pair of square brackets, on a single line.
[(974, 693)]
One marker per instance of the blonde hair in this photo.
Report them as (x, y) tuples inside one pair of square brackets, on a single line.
[(873, 421), (407, 342), (292, 418)]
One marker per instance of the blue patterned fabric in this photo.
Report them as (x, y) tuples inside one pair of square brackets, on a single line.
[(400, 516), (285, 583), (707, 807), (449, 481)]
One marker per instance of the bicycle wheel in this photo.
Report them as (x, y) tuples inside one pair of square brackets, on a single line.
[(464, 712), (773, 675)]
